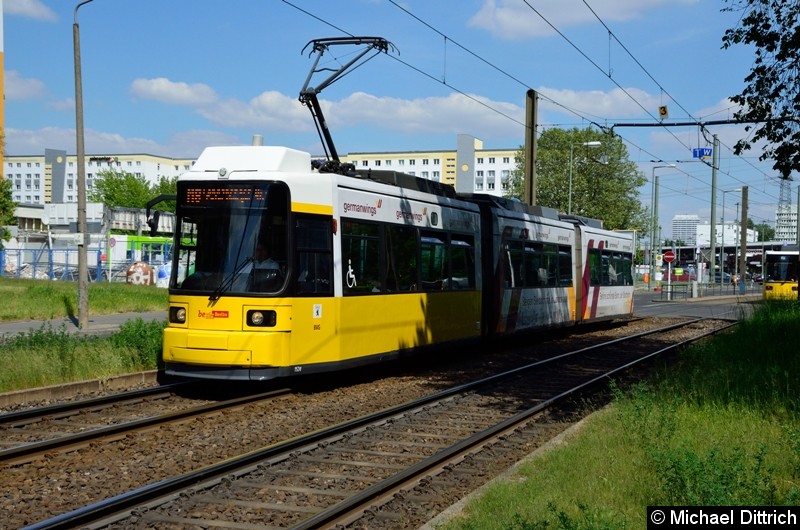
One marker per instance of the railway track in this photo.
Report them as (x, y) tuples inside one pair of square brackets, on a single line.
[(391, 469), (32, 433)]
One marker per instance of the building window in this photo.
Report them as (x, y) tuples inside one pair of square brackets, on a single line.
[(491, 160), (377, 162), (490, 174), (436, 161), (364, 163), (479, 174), (424, 174), (388, 162), (424, 161), (480, 160), (130, 163), (138, 163), (412, 162), (401, 162), (436, 175), (506, 160)]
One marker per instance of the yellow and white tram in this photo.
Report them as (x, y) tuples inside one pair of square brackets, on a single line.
[(369, 266), (781, 268)]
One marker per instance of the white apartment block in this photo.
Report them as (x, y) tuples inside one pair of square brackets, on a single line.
[(786, 224), (727, 234), (53, 177), (684, 228)]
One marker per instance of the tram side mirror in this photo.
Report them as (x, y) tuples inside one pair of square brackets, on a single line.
[(152, 222)]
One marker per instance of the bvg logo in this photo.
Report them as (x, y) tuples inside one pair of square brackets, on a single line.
[(211, 315)]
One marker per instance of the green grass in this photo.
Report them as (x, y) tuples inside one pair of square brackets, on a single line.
[(43, 300), (50, 356), (721, 428)]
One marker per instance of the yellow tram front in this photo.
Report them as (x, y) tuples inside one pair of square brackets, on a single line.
[(781, 268), (280, 270), (232, 303)]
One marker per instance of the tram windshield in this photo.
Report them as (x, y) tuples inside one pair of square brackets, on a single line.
[(232, 237), (781, 267)]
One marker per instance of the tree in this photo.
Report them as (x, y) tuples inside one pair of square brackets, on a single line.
[(166, 186), (605, 182), (771, 97), (765, 232), (122, 189), (7, 207)]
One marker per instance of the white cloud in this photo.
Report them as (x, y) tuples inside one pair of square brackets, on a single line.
[(515, 19), (187, 144), (450, 114), (271, 110), (19, 88), (29, 8), (614, 104), (176, 93)]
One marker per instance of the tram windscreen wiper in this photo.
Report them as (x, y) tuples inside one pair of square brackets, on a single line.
[(227, 282)]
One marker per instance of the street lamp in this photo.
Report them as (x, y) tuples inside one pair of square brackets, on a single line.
[(722, 252), (654, 225), (594, 143), (82, 236)]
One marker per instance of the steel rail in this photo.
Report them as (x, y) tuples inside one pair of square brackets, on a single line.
[(110, 510), (28, 451), (61, 408)]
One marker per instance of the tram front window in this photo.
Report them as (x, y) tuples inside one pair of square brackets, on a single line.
[(229, 233)]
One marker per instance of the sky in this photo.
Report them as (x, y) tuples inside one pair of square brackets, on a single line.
[(170, 77)]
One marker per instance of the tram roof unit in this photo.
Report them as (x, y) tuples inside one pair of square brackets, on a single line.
[(223, 161)]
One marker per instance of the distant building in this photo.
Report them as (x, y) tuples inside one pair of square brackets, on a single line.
[(684, 228), (786, 224), (53, 177), (727, 234)]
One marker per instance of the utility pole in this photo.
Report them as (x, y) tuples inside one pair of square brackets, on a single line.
[(743, 244), (531, 117), (713, 242), (83, 232)]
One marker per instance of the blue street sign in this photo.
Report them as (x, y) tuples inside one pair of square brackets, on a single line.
[(702, 152)]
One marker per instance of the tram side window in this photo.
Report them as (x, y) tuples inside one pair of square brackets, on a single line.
[(610, 268), (462, 263), (564, 266), (515, 271), (187, 249), (401, 258), (595, 266), (361, 257), (433, 264), (313, 239)]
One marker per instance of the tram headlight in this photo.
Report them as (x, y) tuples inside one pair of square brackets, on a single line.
[(261, 318), (177, 315)]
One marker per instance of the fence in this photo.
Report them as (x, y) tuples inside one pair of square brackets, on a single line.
[(60, 264)]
